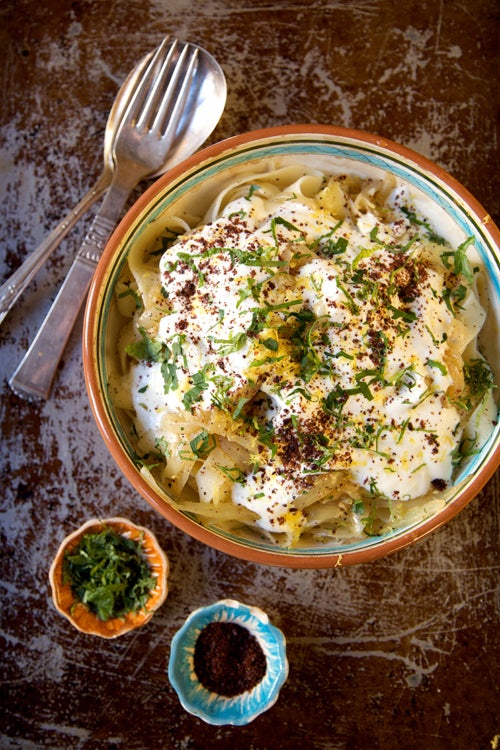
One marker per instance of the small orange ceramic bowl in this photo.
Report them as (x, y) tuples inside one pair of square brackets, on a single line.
[(187, 191), (78, 613)]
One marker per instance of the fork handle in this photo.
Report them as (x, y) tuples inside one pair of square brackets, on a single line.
[(35, 374), (11, 290)]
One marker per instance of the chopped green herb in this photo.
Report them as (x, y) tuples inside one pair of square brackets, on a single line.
[(187, 258), (478, 379), (251, 191), (220, 396), (232, 473), (162, 447), (336, 399), (279, 220), (237, 214), (200, 384), (431, 234), (454, 296), (438, 365), (349, 300), (150, 350), (234, 343), (261, 257), (365, 252), (109, 574), (407, 315), (434, 339), (146, 349), (335, 247), (135, 296), (308, 335), (271, 344), (239, 407), (468, 447), (266, 361), (203, 444), (170, 362), (461, 265)]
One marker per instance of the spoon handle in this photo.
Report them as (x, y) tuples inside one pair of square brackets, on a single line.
[(35, 374), (11, 290)]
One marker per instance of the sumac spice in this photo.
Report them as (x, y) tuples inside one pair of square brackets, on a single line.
[(228, 659)]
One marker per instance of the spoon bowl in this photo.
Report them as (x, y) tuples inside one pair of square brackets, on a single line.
[(202, 112)]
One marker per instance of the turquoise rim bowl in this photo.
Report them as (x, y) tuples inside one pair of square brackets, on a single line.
[(213, 708), (462, 215)]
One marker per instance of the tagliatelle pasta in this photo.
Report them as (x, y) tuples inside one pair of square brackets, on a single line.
[(304, 362)]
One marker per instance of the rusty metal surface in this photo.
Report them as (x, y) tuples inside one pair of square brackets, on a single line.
[(401, 653)]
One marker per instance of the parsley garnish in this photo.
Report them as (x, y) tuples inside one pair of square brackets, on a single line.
[(203, 444), (284, 223), (308, 335), (413, 219), (234, 343), (146, 349), (478, 379), (170, 357), (200, 384), (150, 350), (251, 191), (135, 296), (461, 265), (233, 473), (334, 247), (398, 312), (438, 366), (453, 297), (108, 573)]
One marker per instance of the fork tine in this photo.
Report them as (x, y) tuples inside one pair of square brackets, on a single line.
[(149, 77), (172, 106), (169, 89), (165, 65)]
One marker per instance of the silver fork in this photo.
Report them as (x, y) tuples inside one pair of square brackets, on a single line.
[(141, 148), (14, 286)]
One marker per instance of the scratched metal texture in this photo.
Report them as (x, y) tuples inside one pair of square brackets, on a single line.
[(401, 653)]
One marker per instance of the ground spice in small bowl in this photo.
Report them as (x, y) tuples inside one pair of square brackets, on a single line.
[(228, 659)]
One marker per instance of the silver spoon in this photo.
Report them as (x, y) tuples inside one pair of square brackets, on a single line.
[(176, 105), (11, 290), (202, 120)]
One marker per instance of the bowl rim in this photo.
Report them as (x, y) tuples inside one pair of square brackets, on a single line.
[(278, 557)]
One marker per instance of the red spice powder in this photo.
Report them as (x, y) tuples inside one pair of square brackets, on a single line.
[(228, 659)]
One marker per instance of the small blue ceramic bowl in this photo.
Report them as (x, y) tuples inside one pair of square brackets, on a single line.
[(209, 706)]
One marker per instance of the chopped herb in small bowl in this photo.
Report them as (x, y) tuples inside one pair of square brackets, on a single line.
[(109, 577)]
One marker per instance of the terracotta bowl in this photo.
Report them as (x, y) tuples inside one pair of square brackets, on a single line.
[(193, 184), (77, 613)]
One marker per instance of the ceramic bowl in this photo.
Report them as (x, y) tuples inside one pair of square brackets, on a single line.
[(194, 183), (211, 707), (77, 613)]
